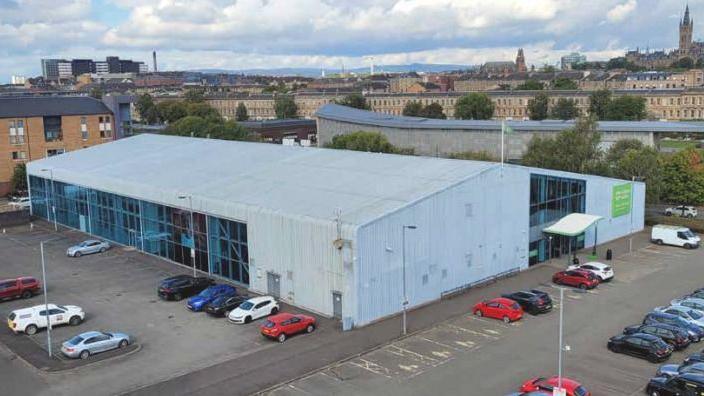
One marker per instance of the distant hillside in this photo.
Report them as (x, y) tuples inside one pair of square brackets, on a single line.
[(311, 72)]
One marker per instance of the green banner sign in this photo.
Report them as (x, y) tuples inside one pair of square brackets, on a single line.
[(621, 200)]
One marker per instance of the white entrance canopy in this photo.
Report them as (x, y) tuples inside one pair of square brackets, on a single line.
[(573, 224)]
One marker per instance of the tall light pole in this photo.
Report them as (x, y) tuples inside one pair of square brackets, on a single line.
[(53, 201), (193, 238), (559, 355), (46, 301), (404, 303)]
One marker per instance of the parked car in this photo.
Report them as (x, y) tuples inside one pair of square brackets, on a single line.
[(21, 203), (690, 315), (535, 393), (532, 301), (699, 293), (29, 320), (695, 332), (222, 305), (182, 286), (572, 387), (284, 325), (199, 301), (92, 342), (674, 235), (22, 287), (690, 302), (253, 309), (672, 335), (697, 357), (641, 345), (671, 370), (681, 385), (87, 247), (499, 308), (682, 211), (576, 278), (604, 272)]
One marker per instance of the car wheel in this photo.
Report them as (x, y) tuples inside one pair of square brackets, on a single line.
[(227, 314), (75, 320), (668, 213), (654, 393), (687, 246), (30, 329), (274, 311), (583, 286), (478, 313), (77, 254), (178, 297), (281, 337), (26, 294), (102, 250), (122, 344), (310, 328), (506, 319), (249, 319), (658, 241), (84, 354), (653, 359)]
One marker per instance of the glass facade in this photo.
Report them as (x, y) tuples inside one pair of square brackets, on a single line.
[(552, 198), (220, 244)]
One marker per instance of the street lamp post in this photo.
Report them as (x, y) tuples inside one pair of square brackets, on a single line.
[(53, 201), (549, 247), (559, 356), (46, 301), (193, 238), (403, 255)]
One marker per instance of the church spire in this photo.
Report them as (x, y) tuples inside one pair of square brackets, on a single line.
[(685, 21)]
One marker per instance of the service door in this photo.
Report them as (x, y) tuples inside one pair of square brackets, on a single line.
[(337, 305), (273, 284)]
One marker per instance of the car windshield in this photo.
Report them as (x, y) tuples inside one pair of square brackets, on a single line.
[(515, 306), (61, 307), (209, 292), (219, 300), (580, 391), (83, 244), (696, 315), (12, 316), (269, 324), (247, 305), (75, 340), (689, 234)]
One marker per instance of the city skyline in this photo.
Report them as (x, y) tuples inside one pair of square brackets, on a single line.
[(252, 34)]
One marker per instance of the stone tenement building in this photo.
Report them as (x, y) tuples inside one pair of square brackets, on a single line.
[(670, 104)]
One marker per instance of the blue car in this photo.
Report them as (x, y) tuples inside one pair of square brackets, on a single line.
[(198, 302), (695, 332)]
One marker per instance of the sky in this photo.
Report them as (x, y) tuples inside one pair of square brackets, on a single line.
[(238, 34)]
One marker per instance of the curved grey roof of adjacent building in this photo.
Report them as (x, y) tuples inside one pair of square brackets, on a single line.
[(39, 106), (365, 117)]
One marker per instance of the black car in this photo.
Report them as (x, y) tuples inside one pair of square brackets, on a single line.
[(641, 345), (697, 357), (532, 301), (672, 335), (222, 305), (681, 385), (695, 332), (181, 286)]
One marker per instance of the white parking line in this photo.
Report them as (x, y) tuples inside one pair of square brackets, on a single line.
[(372, 368)]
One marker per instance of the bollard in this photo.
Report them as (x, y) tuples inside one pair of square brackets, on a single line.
[(609, 254)]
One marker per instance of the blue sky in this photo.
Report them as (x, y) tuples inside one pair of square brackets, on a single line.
[(231, 34)]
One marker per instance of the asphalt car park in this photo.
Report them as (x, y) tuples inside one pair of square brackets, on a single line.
[(472, 355), (118, 291)]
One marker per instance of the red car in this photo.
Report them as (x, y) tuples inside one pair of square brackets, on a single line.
[(577, 278), (499, 308), (24, 287), (284, 325), (572, 387)]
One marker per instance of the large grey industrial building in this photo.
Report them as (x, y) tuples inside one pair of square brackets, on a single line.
[(324, 229)]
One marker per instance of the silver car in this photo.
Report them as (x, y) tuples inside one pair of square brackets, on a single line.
[(87, 247), (92, 342), (693, 316)]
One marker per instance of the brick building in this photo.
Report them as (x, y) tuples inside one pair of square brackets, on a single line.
[(37, 127)]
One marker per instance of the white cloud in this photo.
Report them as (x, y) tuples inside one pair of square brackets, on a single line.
[(621, 11)]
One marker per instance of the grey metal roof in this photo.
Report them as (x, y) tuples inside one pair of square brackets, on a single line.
[(364, 117), (291, 122), (233, 179), (38, 106)]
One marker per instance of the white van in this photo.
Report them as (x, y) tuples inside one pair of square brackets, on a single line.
[(674, 235)]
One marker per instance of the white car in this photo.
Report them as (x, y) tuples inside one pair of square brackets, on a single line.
[(254, 308), (601, 270), (21, 203), (691, 302), (87, 247), (682, 211), (29, 320)]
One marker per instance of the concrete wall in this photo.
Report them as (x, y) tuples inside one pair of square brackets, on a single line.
[(443, 142)]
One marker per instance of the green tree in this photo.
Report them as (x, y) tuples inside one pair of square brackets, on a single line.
[(548, 68), (626, 108), (572, 150), (700, 63), (474, 156), (683, 63), (147, 109), (285, 107), (622, 63), (433, 110), (209, 128), (565, 109), (619, 149), (171, 111), (373, 142), (683, 176), (643, 164), (203, 110), (475, 106), (530, 85), (194, 95), (413, 109), (564, 83), (97, 92), (241, 112), (18, 182), (356, 101), (538, 106), (599, 103)]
